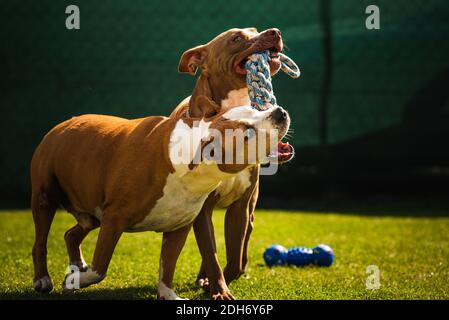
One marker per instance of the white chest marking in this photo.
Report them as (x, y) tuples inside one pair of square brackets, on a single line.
[(183, 197), (233, 188), (236, 98), (185, 141), (185, 190)]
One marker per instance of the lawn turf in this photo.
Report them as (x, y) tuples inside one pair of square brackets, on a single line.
[(412, 253)]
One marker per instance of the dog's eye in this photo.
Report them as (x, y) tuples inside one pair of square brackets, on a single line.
[(237, 39)]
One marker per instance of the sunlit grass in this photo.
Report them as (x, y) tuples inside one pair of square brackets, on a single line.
[(412, 254)]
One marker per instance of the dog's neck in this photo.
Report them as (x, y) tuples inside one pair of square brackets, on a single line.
[(218, 89)]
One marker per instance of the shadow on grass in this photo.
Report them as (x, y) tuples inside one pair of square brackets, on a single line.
[(131, 293), (144, 292)]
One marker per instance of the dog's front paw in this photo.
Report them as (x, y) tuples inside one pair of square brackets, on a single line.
[(169, 297), (220, 291), (225, 295), (166, 293)]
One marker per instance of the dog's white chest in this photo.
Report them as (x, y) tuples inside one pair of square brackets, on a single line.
[(183, 197), (233, 188), (178, 207)]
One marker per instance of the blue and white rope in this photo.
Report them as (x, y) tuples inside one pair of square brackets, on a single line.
[(258, 78)]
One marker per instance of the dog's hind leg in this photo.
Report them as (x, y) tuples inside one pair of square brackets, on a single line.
[(73, 239), (44, 203), (75, 235), (111, 229)]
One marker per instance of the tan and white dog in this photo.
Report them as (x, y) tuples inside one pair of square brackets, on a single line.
[(222, 81), (126, 176)]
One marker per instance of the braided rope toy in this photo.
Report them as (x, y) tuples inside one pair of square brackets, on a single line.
[(258, 78)]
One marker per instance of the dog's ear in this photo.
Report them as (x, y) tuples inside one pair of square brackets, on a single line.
[(192, 59)]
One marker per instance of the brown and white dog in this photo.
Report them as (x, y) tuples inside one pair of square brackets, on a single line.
[(222, 81), (127, 176)]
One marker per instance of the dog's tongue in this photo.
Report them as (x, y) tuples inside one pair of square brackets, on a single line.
[(274, 61), (285, 151)]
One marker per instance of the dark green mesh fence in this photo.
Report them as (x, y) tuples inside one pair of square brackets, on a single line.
[(386, 116)]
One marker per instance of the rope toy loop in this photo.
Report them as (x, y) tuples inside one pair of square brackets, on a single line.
[(289, 66)]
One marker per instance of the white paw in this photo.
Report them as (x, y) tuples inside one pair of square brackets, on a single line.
[(166, 293), (89, 277), (43, 285), (76, 279)]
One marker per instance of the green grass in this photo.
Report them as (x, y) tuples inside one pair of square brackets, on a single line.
[(412, 253)]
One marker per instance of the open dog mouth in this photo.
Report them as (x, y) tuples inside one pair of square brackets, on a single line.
[(274, 61), (284, 152)]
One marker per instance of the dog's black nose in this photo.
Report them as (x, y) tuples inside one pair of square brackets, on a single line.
[(279, 114)]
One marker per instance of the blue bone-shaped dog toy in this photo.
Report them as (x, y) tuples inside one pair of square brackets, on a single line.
[(258, 78), (321, 255)]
